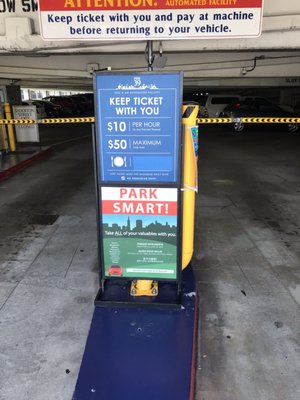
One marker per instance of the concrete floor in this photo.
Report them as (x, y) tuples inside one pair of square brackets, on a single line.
[(247, 263)]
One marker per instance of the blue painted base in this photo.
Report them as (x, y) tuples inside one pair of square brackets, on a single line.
[(141, 352)]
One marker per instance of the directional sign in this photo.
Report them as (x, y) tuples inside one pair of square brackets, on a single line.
[(138, 127), (149, 19), (26, 132)]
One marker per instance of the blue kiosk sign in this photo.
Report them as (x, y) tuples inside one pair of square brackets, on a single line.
[(138, 148), (138, 144), (138, 126)]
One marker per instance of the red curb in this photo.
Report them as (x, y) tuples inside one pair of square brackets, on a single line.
[(25, 164)]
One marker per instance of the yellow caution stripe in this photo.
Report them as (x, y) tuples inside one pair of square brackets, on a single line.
[(250, 120), (17, 121), (214, 120), (268, 120), (78, 120), (47, 121)]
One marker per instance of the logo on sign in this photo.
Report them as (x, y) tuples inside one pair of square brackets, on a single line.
[(137, 85)]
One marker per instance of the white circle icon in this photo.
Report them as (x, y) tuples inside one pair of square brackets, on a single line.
[(118, 161)]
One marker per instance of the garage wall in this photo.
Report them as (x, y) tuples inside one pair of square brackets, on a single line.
[(33, 62)]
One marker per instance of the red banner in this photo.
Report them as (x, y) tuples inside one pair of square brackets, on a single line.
[(98, 5)]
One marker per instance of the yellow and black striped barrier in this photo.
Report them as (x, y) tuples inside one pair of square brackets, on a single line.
[(78, 120), (268, 120), (245, 120), (215, 121), (17, 121), (249, 120), (47, 121)]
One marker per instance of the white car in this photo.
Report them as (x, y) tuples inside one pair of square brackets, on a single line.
[(215, 103)]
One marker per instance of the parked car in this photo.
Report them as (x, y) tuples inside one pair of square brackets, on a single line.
[(203, 111), (44, 109), (68, 105), (214, 104), (257, 108), (297, 108), (89, 97), (82, 103), (285, 107)]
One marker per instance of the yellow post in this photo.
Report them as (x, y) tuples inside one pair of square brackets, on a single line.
[(142, 284), (3, 136), (144, 287), (11, 136), (189, 116)]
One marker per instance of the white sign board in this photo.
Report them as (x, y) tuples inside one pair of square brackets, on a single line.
[(28, 132), (2, 94), (149, 19)]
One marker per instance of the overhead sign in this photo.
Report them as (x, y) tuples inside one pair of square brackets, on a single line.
[(138, 127), (149, 19), (140, 232)]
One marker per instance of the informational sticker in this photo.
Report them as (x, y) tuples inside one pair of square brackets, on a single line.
[(138, 127), (149, 19), (139, 230), (195, 133), (26, 132)]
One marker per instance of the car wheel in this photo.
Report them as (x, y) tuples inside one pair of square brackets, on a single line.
[(239, 127), (292, 127)]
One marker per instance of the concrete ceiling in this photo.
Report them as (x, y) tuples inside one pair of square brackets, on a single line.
[(273, 59)]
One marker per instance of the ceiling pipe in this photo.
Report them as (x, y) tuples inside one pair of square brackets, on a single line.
[(245, 70)]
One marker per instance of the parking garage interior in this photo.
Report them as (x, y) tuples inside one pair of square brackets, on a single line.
[(247, 249)]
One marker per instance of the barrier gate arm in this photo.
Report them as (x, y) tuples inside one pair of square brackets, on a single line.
[(252, 120), (45, 121)]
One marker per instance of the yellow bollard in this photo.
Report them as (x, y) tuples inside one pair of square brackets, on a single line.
[(189, 116), (190, 112), (11, 136), (3, 137), (143, 284), (144, 287)]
